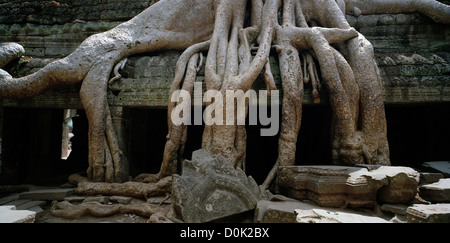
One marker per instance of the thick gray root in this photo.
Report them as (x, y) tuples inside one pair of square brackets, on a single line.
[(10, 51)]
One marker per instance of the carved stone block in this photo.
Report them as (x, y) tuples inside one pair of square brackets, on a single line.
[(210, 189), (9, 214), (300, 212), (435, 213), (438, 166), (340, 186), (438, 192)]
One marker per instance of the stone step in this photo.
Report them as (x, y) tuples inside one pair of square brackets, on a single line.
[(47, 194), (30, 204), (75, 199), (430, 177), (301, 212)]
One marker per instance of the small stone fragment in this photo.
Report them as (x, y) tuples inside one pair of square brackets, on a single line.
[(438, 192), (434, 213), (211, 189), (394, 208)]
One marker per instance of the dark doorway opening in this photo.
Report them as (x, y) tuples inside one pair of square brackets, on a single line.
[(31, 147)]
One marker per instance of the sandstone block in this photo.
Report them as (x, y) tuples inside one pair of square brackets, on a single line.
[(434, 213), (301, 212), (210, 189), (438, 166)]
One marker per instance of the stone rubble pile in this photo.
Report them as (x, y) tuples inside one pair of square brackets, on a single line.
[(211, 190), (394, 194)]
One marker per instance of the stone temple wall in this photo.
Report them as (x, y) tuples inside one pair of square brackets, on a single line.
[(56, 28), (412, 51)]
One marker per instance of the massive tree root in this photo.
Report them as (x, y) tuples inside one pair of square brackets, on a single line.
[(167, 25), (308, 31), (67, 210)]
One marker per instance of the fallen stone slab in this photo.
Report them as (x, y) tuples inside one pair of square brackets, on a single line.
[(47, 194), (159, 200), (211, 189), (30, 204), (300, 212), (343, 186), (438, 192), (17, 203), (37, 209), (399, 219), (430, 177), (438, 166), (402, 184), (434, 213), (277, 211), (74, 199), (9, 214), (8, 199), (120, 199), (332, 216)]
